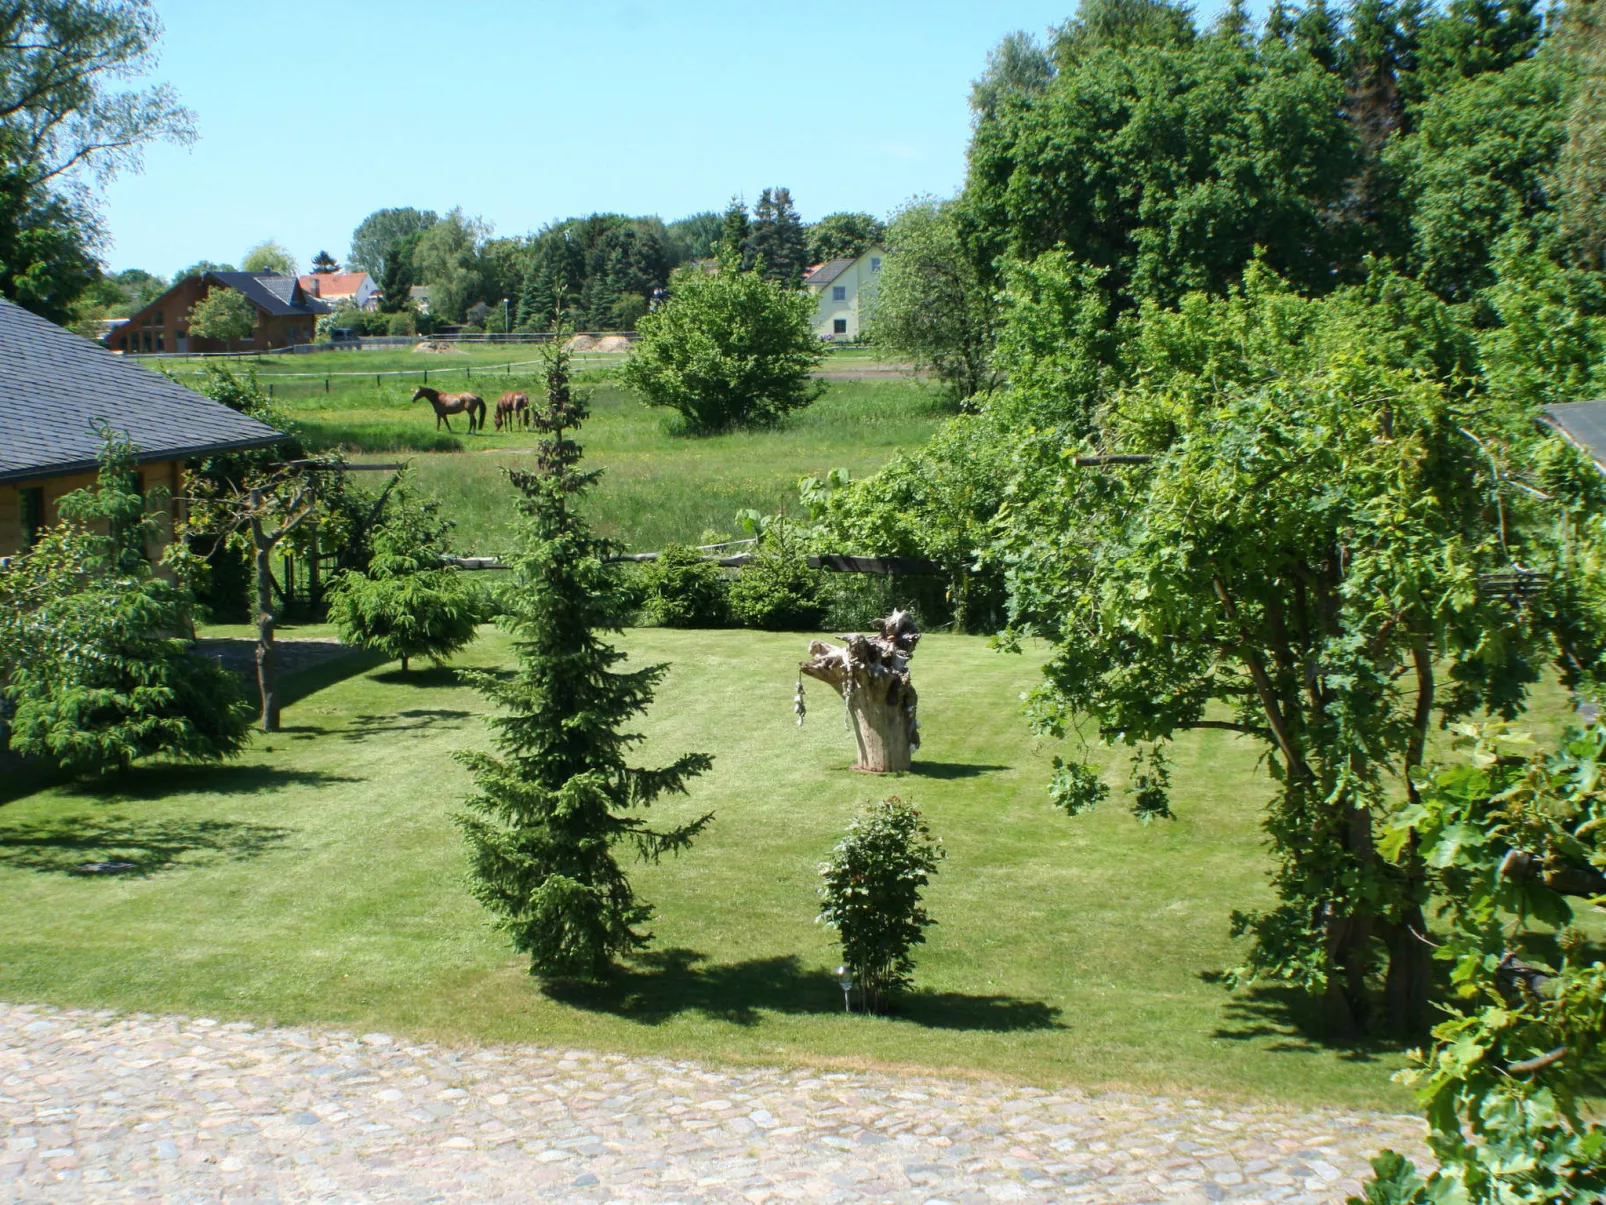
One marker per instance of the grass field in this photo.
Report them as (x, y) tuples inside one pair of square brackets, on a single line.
[(319, 880)]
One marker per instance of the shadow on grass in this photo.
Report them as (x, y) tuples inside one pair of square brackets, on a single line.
[(417, 719), (167, 781), (433, 677), (1297, 1023), (65, 844), (952, 769), (297, 686), (658, 986)]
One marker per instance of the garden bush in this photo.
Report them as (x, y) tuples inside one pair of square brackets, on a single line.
[(871, 893), (681, 590), (777, 591)]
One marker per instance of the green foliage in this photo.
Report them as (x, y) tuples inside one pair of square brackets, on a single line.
[(324, 262), (1314, 515), (46, 240), (269, 256), (1550, 342), (843, 236), (446, 257), (559, 795), (777, 591), (1508, 835), (222, 314), (778, 244), (379, 236), (1017, 68), (931, 304), (870, 892), (407, 604), (90, 652), (727, 349), (681, 590)]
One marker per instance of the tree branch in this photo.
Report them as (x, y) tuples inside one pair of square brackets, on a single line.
[(1263, 686)]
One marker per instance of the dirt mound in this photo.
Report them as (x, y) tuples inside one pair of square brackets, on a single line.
[(613, 343), (583, 343), (438, 348)]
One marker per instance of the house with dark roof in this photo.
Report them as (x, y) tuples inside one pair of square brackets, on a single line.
[(286, 315), (843, 289), (56, 388)]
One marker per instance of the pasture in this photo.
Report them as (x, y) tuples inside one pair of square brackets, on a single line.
[(319, 880), (656, 486)]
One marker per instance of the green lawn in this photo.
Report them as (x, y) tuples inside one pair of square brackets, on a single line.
[(319, 880)]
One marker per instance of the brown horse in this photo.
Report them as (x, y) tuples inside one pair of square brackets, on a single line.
[(444, 404), (513, 408)]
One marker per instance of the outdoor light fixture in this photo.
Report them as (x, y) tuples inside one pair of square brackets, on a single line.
[(507, 323), (844, 979)]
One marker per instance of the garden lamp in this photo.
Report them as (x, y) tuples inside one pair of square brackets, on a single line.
[(844, 979), (507, 324)]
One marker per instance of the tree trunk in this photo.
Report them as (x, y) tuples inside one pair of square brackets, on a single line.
[(871, 673), (267, 654), (1410, 976)]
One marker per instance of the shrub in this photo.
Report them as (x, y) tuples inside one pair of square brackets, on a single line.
[(90, 651), (727, 349), (408, 604), (777, 591), (401, 323), (681, 590), (871, 894)]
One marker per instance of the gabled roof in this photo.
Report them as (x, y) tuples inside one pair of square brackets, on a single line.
[(1582, 424), (826, 273), (278, 295), (332, 284), (55, 385)]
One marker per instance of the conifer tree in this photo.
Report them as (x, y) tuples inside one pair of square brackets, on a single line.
[(780, 245), (735, 234), (557, 795)]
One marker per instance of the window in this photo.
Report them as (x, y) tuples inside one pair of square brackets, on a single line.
[(160, 341), (32, 514), (147, 341), (839, 292), (839, 326), (875, 263), (159, 321)]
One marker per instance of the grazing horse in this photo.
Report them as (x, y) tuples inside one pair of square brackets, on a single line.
[(513, 408), (453, 403)]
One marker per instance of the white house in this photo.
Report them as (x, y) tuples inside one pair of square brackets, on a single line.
[(843, 290), (342, 288)]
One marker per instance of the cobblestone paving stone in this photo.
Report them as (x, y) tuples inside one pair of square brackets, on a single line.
[(100, 1106)]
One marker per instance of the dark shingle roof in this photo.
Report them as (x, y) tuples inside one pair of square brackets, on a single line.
[(55, 385), (1584, 424), (275, 294), (826, 273)]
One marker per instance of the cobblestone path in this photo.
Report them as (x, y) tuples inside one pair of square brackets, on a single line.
[(105, 1107)]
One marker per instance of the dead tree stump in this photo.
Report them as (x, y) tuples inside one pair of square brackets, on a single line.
[(871, 673)]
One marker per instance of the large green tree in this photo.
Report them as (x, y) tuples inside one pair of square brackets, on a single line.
[(269, 256), (729, 348), (778, 244), (558, 795), (843, 236), (377, 236)]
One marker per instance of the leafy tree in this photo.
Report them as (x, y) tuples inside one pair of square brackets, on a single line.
[(378, 236), (91, 655), (222, 314), (870, 894), (727, 349), (931, 303), (46, 240), (694, 237), (559, 795), (843, 236), (1549, 344), (1510, 835), (395, 285), (446, 257), (1017, 67), (1167, 158), (407, 603), (778, 243), (1294, 555), (681, 590), (61, 105), (269, 256), (200, 268), (323, 262), (1580, 183)]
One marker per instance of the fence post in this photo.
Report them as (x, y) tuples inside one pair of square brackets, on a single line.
[(326, 384), (426, 376), (270, 391)]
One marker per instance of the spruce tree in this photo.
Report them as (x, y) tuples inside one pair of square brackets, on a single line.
[(735, 234), (558, 795)]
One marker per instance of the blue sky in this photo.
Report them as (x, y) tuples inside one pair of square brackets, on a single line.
[(313, 115)]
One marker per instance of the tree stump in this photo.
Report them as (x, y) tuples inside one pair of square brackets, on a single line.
[(871, 673)]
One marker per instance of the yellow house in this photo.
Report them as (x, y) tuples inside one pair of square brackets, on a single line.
[(843, 290)]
